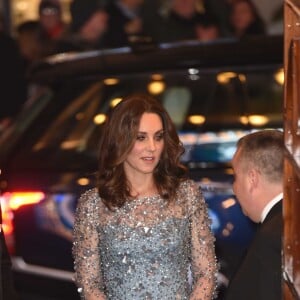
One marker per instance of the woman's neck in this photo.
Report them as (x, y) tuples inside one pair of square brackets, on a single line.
[(142, 187)]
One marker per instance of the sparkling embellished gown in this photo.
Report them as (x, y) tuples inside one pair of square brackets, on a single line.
[(146, 250)]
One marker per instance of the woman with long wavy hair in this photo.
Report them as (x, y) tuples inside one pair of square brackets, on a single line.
[(145, 224)]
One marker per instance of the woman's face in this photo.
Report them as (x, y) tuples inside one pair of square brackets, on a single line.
[(147, 149), (242, 15)]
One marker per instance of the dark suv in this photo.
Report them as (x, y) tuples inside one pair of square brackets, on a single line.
[(215, 93)]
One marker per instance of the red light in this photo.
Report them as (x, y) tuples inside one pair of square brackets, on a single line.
[(18, 199), (10, 202), (7, 216)]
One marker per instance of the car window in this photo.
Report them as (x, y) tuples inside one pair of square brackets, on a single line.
[(211, 109)]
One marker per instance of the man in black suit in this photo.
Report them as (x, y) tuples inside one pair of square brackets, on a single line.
[(258, 185)]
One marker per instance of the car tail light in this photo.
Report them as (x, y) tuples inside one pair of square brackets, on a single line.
[(18, 199), (11, 201)]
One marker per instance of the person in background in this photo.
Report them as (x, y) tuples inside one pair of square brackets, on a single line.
[(220, 11), (207, 28), (137, 233), (178, 20), (13, 85), (38, 39), (258, 185), (50, 18), (244, 19), (28, 38), (125, 22), (88, 27)]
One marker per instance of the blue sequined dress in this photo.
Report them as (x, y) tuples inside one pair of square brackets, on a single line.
[(144, 250)]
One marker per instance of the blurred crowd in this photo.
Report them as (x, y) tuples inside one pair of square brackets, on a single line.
[(98, 24), (115, 23)]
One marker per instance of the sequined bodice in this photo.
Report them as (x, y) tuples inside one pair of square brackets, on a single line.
[(143, 250), (148, 263)]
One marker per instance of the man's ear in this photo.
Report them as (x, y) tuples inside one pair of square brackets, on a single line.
[(253, 178)]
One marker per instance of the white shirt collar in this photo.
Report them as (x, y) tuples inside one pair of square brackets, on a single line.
[(269, 206)]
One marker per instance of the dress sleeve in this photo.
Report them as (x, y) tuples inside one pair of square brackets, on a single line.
[(86, 248), (203, 259)]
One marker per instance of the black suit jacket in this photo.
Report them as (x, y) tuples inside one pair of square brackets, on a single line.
[(259, 274)]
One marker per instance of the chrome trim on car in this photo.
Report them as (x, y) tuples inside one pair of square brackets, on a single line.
[(20, 265)]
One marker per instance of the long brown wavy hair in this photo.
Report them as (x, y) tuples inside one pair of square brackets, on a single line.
[(117, 139)]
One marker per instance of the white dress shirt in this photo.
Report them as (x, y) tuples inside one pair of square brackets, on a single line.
[(269, 206)]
